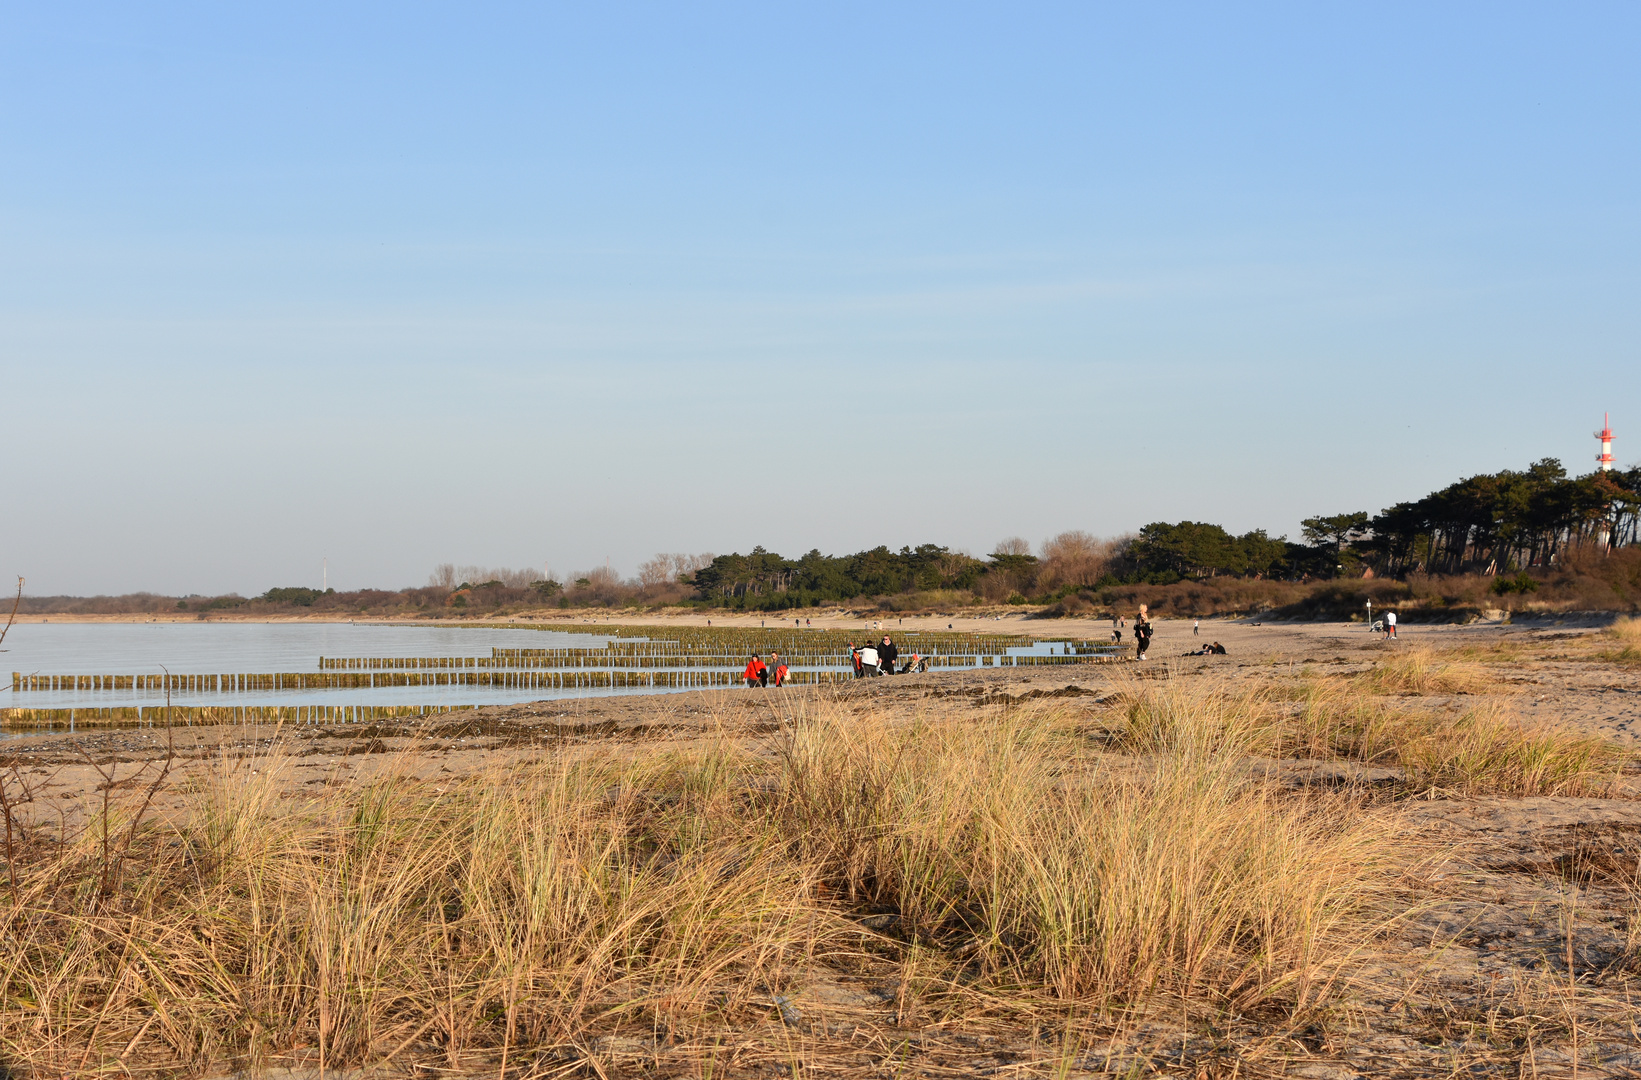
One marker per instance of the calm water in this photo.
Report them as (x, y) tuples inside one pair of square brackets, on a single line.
[(264, 648), (218, 648)]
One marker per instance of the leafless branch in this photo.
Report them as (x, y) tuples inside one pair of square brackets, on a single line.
[(15, 604)]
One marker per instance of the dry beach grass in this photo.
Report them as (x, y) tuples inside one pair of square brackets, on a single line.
[(1145, 877)]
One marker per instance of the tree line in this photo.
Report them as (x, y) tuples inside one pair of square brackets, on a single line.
[(1490, 523), (1513, 522)]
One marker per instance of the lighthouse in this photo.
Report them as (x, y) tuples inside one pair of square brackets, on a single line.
[(1606, 437)]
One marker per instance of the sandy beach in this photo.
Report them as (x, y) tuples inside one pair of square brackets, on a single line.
[(1510, 895)]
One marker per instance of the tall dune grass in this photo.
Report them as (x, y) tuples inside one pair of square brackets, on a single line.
[(1627, 634), (677, 890), (1422, 671), (1103, 884), (1481, 750)]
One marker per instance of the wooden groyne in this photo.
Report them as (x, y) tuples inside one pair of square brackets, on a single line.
[(508, 679), (369, 673), (57, 719)]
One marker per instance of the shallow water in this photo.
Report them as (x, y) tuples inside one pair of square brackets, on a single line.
[(225, 648), (218, 648)]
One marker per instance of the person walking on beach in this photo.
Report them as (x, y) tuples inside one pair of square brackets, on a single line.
[(1142, 634), (1390, 624), (1196, 627), (754, 671), (779, 665), (887, 653)]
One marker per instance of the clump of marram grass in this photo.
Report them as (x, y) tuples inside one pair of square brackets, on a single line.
[(1179, 879), (1421, 671), (1626, 633), (1482, 750), (1626, 630), (504, 912)]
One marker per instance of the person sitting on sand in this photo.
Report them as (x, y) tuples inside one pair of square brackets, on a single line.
[(754, 671), (1217, 649)]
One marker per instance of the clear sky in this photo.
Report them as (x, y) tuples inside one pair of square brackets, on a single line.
[(402, 284)]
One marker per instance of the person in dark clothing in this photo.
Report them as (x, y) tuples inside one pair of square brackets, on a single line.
[(887, 653), (1142, 634)]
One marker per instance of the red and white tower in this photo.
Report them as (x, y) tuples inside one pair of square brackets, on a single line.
[(1606, 437)]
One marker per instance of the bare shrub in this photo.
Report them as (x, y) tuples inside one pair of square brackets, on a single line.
[(670, 569), (1074, 558), (449, 576)]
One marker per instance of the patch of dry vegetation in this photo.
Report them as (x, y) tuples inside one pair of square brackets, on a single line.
[(1423, 672), (1626, 635), (1481, 750), (1002, 865)]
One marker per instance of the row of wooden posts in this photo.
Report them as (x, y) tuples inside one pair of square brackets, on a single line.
[(159, 716), (611, 671), (669, 660), (776, 637)]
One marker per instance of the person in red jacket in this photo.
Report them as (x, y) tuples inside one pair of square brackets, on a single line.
[(755, 671)]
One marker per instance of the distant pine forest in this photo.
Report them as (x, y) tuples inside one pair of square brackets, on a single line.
[(1529, 541)]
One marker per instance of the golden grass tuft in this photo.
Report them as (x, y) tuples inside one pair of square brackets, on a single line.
[(1014, 865), (1422, 671), (1627, 634), (1625, 630), (1095, 883), (1483, 750)]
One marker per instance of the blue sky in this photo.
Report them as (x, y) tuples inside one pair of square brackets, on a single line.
[(403, 284)]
